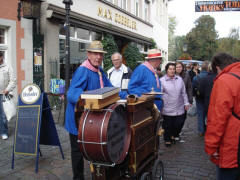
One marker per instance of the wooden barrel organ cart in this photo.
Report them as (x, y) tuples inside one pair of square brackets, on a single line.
[(120, 140)]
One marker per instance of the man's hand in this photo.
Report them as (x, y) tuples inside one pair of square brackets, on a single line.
[(187, 107), (5, 92)]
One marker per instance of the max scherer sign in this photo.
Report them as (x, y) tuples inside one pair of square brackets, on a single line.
[(215, 6)]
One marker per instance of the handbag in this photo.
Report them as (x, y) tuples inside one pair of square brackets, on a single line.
[(193, 109), (9, 107)]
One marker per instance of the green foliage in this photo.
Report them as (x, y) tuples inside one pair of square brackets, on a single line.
[(202, 40), (153, 45), (175, 43), (177, 48), (110, 46), (230, 45), (132, 55)]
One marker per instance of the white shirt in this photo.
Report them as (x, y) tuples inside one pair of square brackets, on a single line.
[(116, 77)]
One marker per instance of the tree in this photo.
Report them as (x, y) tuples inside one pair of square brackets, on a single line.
[(230, 45), (132, 55), (153, 45), (110, 46), (171, 37), (202, 39), (178, 47)]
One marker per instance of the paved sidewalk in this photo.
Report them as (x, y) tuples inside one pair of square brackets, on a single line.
[(188, 160), (185, 161)]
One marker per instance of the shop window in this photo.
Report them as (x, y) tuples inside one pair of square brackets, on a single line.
[(140, 47), (78, 54), (123, 4), (81, 47), (145, 48), (136, 7), (3, 42), (72, 32), (83, 34), (62, 30), (147, 10), (2, 36), (62, 50), (96, 36)]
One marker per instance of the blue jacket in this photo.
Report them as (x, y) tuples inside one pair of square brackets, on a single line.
[(83, 80), (142, 81)]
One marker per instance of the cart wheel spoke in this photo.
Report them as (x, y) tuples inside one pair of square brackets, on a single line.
[(158, 170), (146, 176)]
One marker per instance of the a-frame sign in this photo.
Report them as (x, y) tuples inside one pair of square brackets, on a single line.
[(34, 124)]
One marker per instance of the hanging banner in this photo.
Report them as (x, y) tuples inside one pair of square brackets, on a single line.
[(216, 6)]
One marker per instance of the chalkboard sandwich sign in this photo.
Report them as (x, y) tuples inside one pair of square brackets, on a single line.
[(34, 117)]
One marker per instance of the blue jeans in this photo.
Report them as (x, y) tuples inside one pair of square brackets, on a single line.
[(228, 174), (3, 119), (200, 116)]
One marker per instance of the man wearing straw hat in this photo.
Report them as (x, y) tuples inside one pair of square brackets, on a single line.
[(145, 79), (88, 76)]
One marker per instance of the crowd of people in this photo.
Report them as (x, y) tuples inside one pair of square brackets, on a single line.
[(215, 88), (181, 85)]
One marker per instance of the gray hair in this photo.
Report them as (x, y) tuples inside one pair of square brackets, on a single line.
[(117, 54)]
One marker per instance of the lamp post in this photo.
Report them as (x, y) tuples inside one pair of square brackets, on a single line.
[(67, 3)]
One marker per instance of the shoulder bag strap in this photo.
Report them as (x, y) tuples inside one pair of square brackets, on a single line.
[(233, 113)]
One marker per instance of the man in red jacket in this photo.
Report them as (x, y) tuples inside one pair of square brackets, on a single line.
[(222, 138)]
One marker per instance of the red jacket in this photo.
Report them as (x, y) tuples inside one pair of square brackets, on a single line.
[(223, 129)]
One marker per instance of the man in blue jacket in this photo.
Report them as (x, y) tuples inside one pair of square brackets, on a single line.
[(145, 79), (88, 76), (201, 115)]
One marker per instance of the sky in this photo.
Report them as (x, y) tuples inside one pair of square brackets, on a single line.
[(184, 10)]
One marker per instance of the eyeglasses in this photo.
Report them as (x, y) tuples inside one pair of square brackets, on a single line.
[(114, 60)]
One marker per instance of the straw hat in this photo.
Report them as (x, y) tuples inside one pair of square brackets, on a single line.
[(153, 54), (96, 46)]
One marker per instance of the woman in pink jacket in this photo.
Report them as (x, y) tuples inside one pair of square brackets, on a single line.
[(175, 102)]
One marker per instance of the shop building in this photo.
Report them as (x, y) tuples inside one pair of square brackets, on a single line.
[(36, 47), (137, 21), (16, 42)]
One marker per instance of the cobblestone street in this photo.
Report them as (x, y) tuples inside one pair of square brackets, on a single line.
[(186, 161)]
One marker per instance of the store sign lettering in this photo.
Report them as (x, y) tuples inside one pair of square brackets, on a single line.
[(118, 18), (105, 13)]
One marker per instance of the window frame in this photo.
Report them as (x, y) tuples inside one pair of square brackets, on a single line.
[(4, 47)]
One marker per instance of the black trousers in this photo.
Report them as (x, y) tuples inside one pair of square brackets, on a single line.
[(172, 126), (77, 159), (182, 124)]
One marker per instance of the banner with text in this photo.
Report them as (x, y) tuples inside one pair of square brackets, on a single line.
[(216, 6)]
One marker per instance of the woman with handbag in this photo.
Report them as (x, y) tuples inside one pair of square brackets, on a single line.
[(7, 84)]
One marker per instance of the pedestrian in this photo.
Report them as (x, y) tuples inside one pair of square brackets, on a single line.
[(194, 70), (222, 138), (88, 76), (7, 84), (159, 72), (205, 88), (119, 74), (180, 71), (145, 79), (200, 99), (175, 103), (188, 68)]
